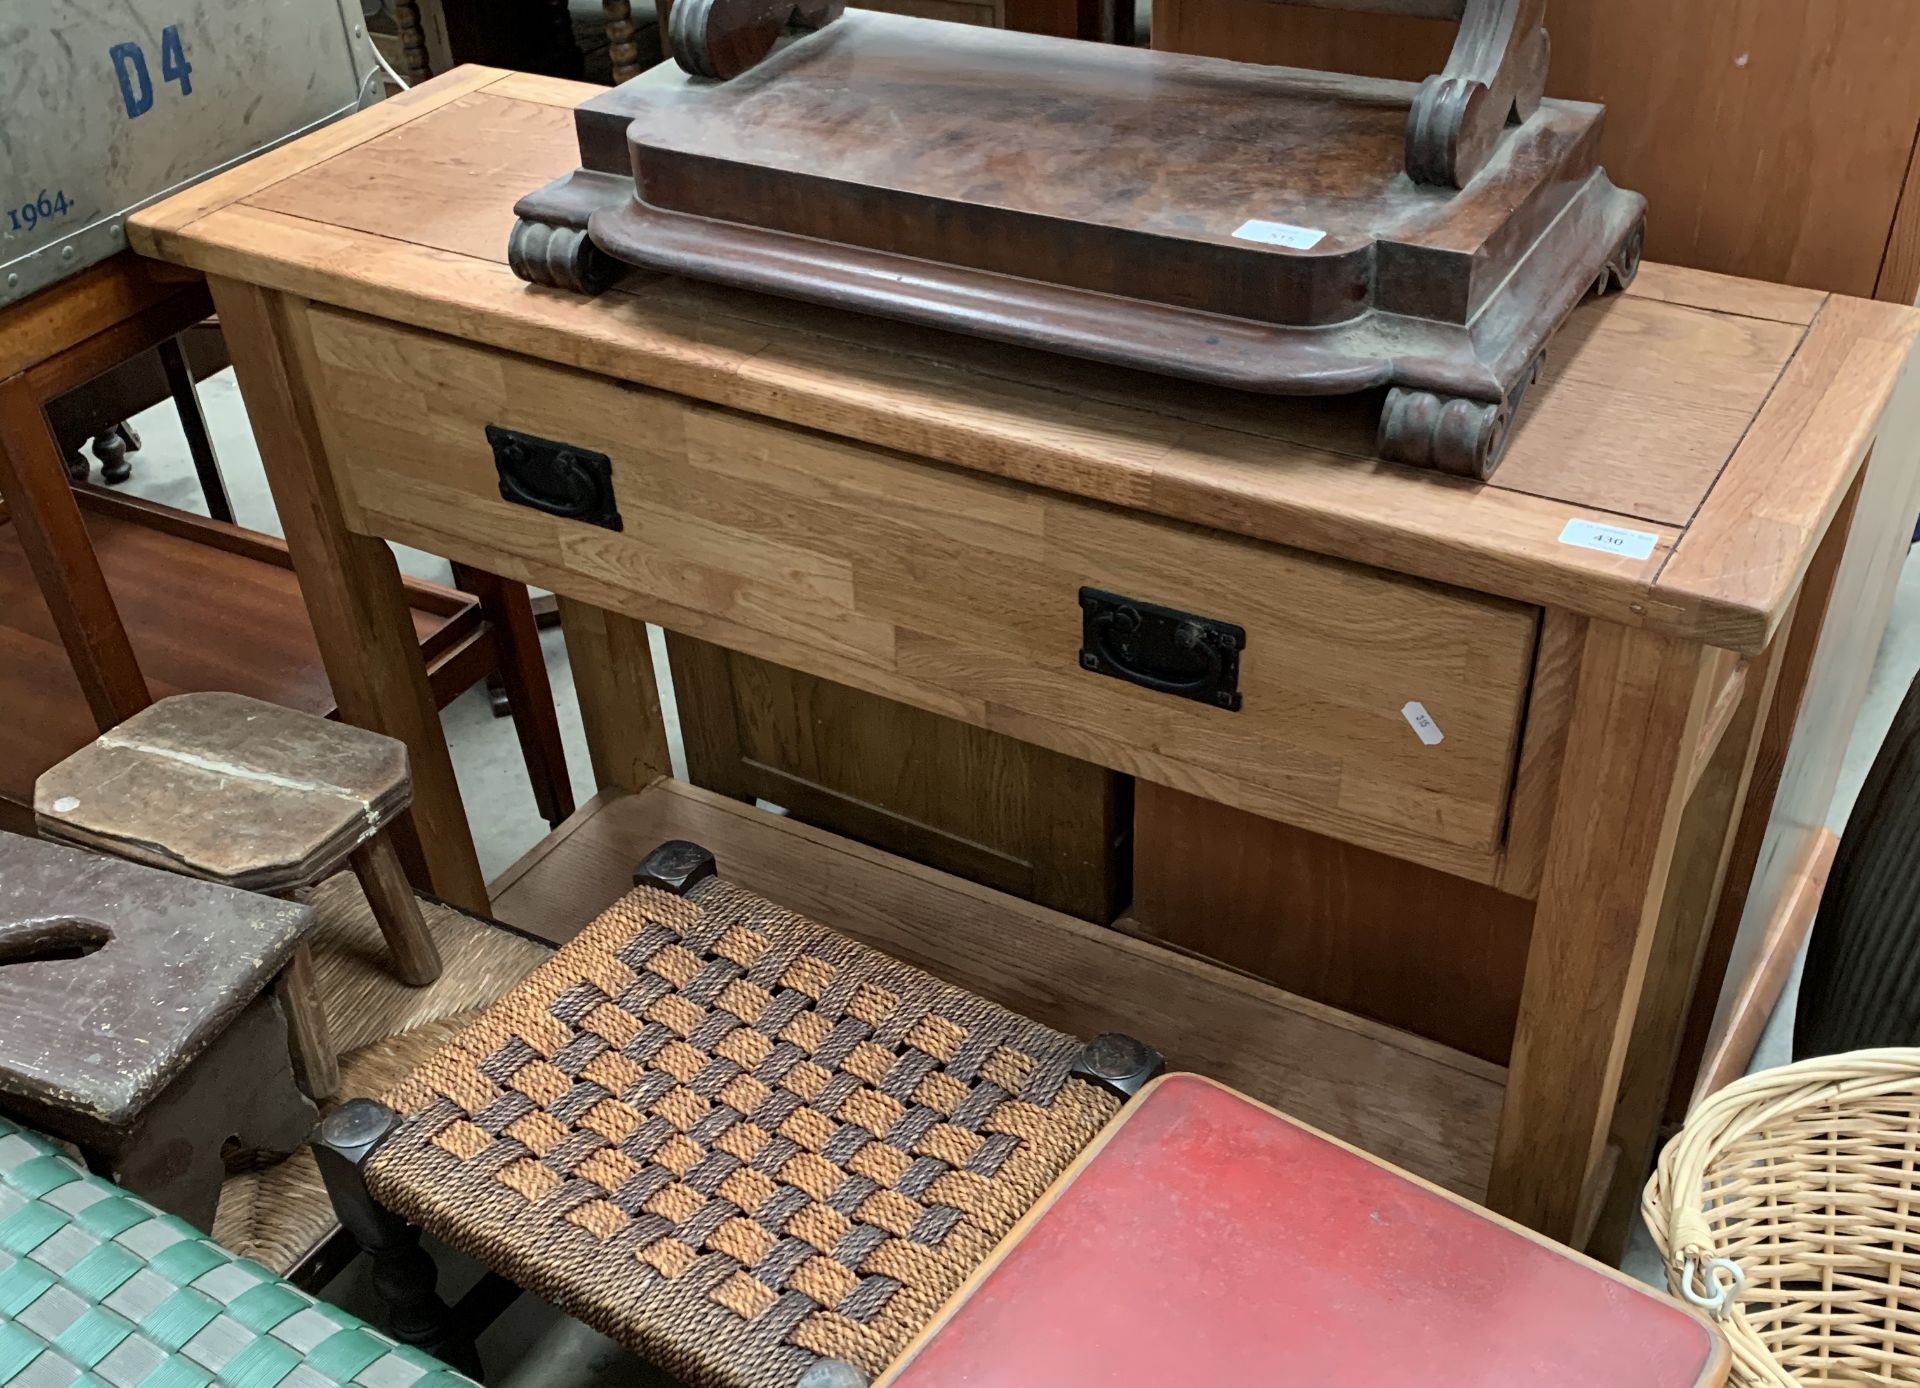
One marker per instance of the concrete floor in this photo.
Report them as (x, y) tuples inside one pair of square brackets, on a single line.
[(534, 1346)]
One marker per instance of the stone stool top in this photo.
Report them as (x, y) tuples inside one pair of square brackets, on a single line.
[(228, 788), (164, 964)]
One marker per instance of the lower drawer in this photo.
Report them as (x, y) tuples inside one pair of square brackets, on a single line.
[(952, 591)]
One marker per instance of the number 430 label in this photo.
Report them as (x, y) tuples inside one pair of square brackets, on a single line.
[(136, 81)]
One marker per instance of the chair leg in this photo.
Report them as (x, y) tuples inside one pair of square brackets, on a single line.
[(404, 1276), (186, 403), (111, 447), (416, 959), (316, 1064), (523, 675)]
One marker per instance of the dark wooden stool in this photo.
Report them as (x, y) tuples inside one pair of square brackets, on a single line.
[(253, 796), (750, 1149), (137, 1019), (1208, 1239)]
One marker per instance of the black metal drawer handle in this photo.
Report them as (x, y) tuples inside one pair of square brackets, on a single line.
[(1162, 649), (557, 478)]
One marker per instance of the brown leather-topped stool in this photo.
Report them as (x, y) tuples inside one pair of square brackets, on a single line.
[(258, 797), (753, 1151), (141, 1019)]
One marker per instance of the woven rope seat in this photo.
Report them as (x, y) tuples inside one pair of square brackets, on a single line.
[(733, 1140), (1789, 1207)]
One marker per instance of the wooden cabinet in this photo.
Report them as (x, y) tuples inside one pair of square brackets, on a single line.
[(1772, 138)]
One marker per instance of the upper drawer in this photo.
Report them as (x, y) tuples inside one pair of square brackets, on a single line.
[(951, 590)]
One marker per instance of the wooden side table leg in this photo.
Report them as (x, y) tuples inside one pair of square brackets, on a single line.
[(308, 1036), (1638, 706), (351, 585), (40, 503), (619, 700), (416, 959)]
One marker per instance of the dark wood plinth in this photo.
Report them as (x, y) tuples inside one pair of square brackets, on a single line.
[(1239, 225)]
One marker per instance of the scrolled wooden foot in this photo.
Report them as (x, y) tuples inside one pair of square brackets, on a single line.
[(1624, 264), (1442, 432), (724, 38), (559, 257)]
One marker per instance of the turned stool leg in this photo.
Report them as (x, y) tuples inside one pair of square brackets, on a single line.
[(622, 51), (416, 959), (309, 1037), (404, 1276), (413, 41)]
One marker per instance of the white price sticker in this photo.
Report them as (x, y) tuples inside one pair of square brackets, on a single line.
[(1280, 234), (1422, 723), (1610, 539)]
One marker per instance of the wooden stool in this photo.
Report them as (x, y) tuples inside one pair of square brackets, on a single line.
[(736, 1142), (98, 1290), (1206, 1238), (254, 796), (136, 1021)]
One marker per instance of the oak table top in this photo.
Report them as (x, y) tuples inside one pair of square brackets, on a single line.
[(1718, 422)]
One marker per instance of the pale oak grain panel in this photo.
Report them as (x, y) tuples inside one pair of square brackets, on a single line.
[(1747, 550), (1679, 284), (965, 585), (490, 151), (1640, 405), (395, 113), (1408, 1100)]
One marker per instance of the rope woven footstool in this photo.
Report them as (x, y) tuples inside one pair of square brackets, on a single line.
[(100, 1290), (753, 1151)]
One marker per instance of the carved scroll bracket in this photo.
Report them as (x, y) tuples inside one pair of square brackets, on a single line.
[(724, 38), (1495, 76)]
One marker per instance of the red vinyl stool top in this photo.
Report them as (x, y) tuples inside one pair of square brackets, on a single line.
[(1206, 1239)]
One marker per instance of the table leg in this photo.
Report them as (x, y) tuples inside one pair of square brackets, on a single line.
[(1703, 853), (1639, 702), (350, 583), (40, 503), (619, 699)]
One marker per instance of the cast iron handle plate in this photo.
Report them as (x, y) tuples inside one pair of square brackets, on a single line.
[(1161, 648), (557, 478)]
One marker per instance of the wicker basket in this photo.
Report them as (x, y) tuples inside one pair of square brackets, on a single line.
[(1789, 1208)]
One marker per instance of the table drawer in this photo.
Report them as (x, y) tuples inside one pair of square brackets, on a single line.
[(951, 590)]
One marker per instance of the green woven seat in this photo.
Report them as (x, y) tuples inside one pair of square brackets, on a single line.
[(100, 1290)]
